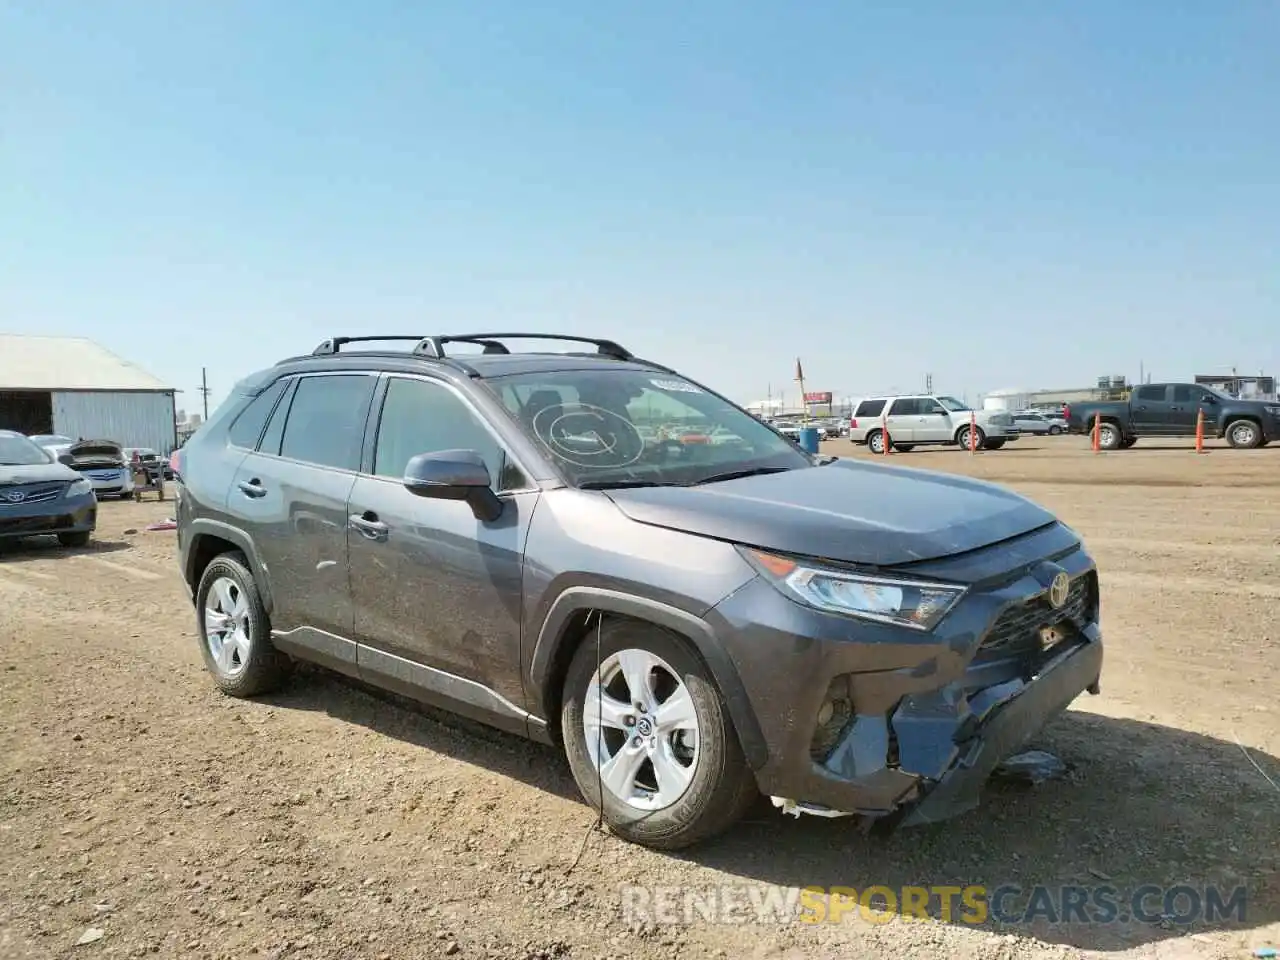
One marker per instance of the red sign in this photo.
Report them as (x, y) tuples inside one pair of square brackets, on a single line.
[(817, 398)]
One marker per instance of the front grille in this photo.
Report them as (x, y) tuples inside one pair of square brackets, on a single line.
[(23, 493), (104, 476), (1017, 630)]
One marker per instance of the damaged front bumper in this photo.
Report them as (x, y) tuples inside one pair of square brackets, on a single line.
[(927, 718)]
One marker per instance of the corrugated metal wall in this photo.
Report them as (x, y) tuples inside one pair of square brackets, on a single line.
[(130, 419)]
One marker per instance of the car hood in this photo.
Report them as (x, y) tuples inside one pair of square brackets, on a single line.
[(96, 448), (847, 511), (36, 473)]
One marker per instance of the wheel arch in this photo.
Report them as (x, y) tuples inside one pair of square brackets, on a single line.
[(1233, 418), (210, 539), (570, 622)]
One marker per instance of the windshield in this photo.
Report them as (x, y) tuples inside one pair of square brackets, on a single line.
[(636, 426), (20, 452), (50, 440), (952, 404)]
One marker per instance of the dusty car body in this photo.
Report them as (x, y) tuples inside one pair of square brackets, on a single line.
[(843, 636)]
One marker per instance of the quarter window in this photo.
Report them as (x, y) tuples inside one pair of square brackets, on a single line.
[(247, 427), (419, 416), (869, 408), (326, 420)]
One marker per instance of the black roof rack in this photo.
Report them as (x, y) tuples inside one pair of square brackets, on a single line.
[(334, 344), (434, 346)]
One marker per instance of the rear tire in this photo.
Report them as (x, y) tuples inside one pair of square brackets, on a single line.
[(1054, 431), (1109, 436), (721, 786), (80, 539), (254, 666), (875, 442), (1244, 434)]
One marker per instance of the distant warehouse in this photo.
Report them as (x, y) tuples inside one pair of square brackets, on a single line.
[(73, 387)]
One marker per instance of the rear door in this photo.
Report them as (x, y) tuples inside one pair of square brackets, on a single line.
[(901, 419), (291, 495), (436, 591), (1150, 410)]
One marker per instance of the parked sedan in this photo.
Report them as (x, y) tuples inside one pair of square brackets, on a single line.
[(41, 495), (104, 463), (1039, 423)]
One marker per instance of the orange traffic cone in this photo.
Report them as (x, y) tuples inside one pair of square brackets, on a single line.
[(1097, 434), (1200, 432), (884, 431), (973, 432)]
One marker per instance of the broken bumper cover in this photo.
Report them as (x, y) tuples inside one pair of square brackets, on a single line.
[(924, 717), (1009, 722)]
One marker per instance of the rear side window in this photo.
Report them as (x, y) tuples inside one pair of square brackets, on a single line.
[(1150, 393), (905, 407), (247, 427), (869, 408), (326, 420), (270, 442)]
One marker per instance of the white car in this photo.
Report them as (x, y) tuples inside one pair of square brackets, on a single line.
[(103, 463), (919, 419), (1032, 421)]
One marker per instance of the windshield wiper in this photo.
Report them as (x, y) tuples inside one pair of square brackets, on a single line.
[(622, 484), (739, 474)]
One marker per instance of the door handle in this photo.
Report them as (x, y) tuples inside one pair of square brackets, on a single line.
[(252, 488), (369, 526)]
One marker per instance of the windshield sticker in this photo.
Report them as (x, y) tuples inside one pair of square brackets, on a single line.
[(675, 386), (589, 436)]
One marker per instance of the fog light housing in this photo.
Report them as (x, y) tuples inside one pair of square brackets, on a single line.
[(832, 719)]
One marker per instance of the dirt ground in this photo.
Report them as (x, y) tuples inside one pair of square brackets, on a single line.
[(138, 803)]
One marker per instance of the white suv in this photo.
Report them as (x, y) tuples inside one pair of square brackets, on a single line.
[(920, 419)]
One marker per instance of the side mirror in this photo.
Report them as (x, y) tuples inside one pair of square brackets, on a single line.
[(66, 459), (454, 475), (1209, 400), (938, 409)]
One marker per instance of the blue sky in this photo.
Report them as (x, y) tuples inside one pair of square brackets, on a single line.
[(1001, 194)]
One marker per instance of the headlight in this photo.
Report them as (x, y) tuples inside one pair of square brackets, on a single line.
[(79, 488), (907, 603)]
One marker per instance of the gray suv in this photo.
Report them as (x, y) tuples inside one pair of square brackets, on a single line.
[(507, 535)]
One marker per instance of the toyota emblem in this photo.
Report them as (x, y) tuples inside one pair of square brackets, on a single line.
[(1058, 590), (14, 496)]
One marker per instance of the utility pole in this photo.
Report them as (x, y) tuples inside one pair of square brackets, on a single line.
[(204, 390), (928, 383)]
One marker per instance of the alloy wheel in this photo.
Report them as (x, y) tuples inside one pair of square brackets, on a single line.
[(226, 626), (641, 729)]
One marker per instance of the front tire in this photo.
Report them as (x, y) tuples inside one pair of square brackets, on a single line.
[(1054, 431), (1244, 435), (234, 630), (652, 729), (962, 438), (79, 539)]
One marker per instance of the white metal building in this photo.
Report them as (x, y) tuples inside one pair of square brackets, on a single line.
[(74, 387)]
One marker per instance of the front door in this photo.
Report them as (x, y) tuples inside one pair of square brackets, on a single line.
[(436, 591), (933, 423), (1185, 409)]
